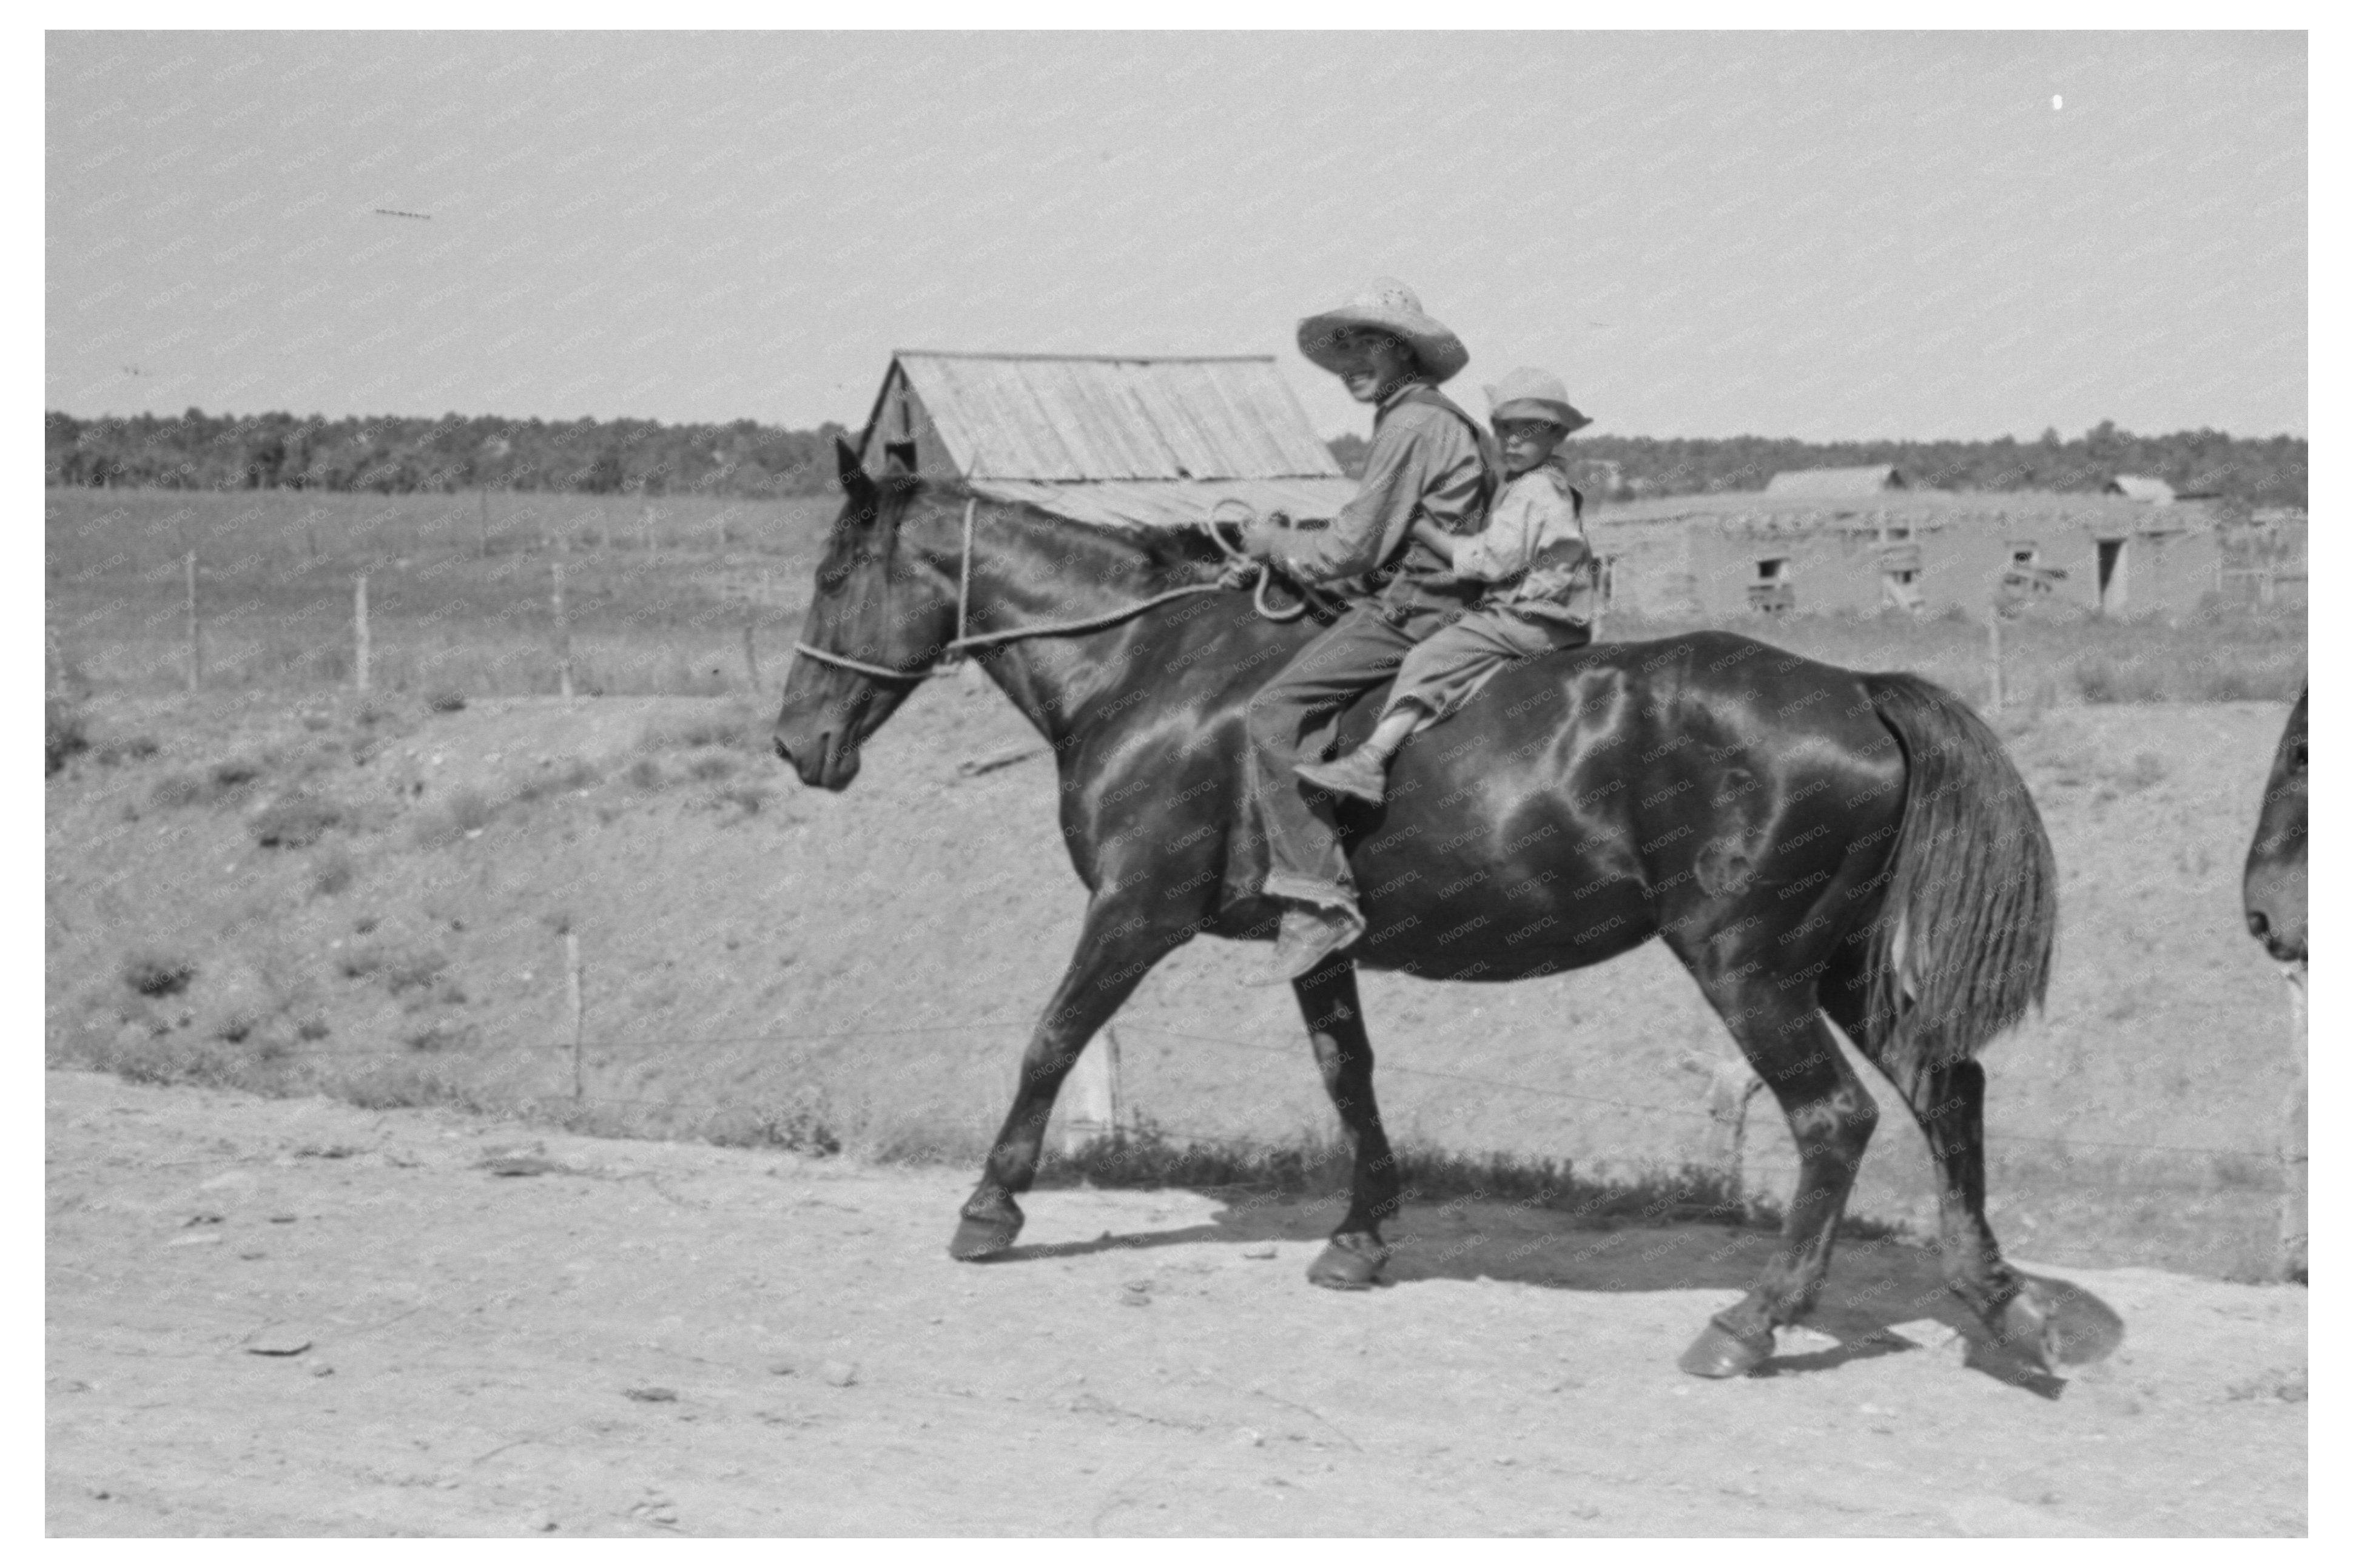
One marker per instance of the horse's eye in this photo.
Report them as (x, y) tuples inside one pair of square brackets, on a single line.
[(2295, 759)]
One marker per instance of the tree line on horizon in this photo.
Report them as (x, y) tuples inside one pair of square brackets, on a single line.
[(396, 455)]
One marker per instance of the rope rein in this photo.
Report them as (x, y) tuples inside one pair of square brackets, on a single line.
[(952, 652)]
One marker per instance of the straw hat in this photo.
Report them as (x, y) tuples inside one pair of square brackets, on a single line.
[(1527, 394), (1386, 305)]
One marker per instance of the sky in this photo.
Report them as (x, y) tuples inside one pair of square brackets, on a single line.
[(1823, 235)]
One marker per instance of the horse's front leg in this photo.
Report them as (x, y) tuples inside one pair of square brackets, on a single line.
[(1352, 1260), (1118, 945)]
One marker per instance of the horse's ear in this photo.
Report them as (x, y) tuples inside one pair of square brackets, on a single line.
[(854, 481)]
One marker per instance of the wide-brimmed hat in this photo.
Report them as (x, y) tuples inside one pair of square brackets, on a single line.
[(1528, 393), (1389, 306)]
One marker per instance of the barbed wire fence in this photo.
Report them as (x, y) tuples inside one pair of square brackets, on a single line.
[(1097, 1103)]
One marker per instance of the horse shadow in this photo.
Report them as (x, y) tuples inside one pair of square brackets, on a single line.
[(1883, 1298)]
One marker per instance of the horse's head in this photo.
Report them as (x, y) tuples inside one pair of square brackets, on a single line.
[(2275, 887), (873, 606)]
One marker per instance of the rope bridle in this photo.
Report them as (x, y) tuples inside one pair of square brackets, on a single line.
[(953, 651)]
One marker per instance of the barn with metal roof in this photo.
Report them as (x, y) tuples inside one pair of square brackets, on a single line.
[(1830, 484), (1116, 442), (2141, 487)]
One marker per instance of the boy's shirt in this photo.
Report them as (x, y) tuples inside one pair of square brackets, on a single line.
[(1534, 549)]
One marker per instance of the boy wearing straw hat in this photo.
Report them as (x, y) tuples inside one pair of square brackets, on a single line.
[(1534, 558), (1430, 475)]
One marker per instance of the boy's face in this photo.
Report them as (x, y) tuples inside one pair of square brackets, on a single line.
[(1526, 442)]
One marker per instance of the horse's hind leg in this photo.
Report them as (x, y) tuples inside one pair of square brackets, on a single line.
[(1789, 1042), (1344, 1055), (1117, 946), (1948, 1102)]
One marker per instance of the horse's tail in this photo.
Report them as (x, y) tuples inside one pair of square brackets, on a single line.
[(1963, 943)]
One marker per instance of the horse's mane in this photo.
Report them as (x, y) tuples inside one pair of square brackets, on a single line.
[(1177, 554)]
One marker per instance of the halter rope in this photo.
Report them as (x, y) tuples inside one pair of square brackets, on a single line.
[(952, 651)]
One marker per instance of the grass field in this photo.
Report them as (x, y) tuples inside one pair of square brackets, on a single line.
[(658, 595)]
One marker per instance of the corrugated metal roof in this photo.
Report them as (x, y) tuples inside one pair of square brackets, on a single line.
[(2141, 487), (1167, 503), (1864, 481), (1065, 418)]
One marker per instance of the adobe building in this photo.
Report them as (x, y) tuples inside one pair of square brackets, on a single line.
[(1717, 557)]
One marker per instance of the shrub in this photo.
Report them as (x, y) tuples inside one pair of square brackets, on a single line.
[(736, 730), (644, 773), (445, 701), (132, 749), (577, 774), (361, 959), (2101, 679), (441, 1035), (413, 969), (332, 871), (750, 798), (154, 974), (235, 773), (65, 732), (710, 765), (467, 810), (295, 821), (177, 789), (797, 1124)]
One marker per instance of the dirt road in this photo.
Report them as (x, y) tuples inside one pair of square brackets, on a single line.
[(295, 1317)]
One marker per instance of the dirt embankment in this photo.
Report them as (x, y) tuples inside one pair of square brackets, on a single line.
[(765, 960), (293, 1316)]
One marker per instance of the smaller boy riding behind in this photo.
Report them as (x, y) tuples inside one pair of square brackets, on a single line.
[(1534, 553)]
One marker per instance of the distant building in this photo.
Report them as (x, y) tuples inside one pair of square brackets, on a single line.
[(1720, 557), (1119, 443), (2141, 487), (1833, 484)]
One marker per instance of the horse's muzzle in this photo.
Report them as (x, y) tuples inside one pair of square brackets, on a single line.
[(827, 762), (2284, 946)]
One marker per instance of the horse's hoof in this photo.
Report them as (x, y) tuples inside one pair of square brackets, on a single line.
[(980, 1238), (1349, 1263), (1720, 1353), (2051, 1324)]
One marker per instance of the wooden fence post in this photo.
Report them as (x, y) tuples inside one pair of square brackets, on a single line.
[(1993, 655), (360, 630), (572, 1002), (1093, 1094), (195, 638), (563, 635), (751, 652), (1730, 1087), (486, 523), (2295, 1149)]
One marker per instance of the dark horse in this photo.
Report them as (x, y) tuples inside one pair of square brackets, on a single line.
[(2274, 885), (1814, 845), (2274, 892)]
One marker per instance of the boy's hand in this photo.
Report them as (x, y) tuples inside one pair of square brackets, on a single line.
[(1261, 541)]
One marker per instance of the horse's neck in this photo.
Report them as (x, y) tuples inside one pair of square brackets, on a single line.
[(1028, 570)]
